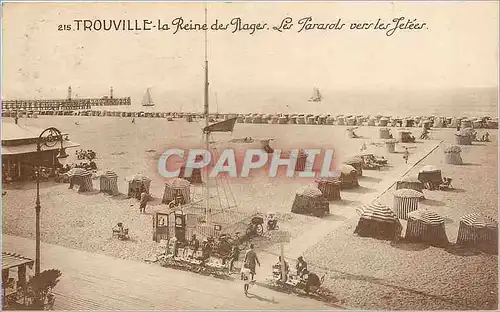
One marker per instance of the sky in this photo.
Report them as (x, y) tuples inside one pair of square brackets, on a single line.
[(459, 48)]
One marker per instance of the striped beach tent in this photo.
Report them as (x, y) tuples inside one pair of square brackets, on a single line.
[(405, 201), (82, 178), (310, 200), (109, 183), (378, 221), (452, 155), (330, 188), (479, 231), (410, 183), (136, 184), (425, 226), (176, 187)]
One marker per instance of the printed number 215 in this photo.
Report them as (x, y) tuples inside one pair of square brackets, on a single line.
[(63, 27)]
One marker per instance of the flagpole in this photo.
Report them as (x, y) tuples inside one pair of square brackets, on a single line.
[(207, 133)]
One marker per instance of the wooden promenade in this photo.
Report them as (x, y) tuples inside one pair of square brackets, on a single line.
[(97, 282), (63, 104)]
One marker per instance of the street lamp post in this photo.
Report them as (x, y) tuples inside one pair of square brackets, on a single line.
[(49, 138)]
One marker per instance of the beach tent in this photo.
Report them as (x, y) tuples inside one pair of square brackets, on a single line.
[(405, 201), (108, 182), (177, 187), (385, 133), (465, 136), (479, 231), (357, 163), (330, 188), (348, 176), (425, 226), (300, 164), (310, 200), (430, 174), (137, 183), (340, 121), (410, 183), (382, 122), (390, 145), (82, 178), (466, 123), (452, 155), (378, 221)]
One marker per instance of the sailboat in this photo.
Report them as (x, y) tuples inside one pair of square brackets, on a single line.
[(316, 97), (147, 100)]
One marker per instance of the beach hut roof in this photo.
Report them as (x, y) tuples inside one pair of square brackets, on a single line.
[(79, 172), (408, 193), (479, 220), (347, 169), (310, 191), (426, 216), (453, 149), (377, 211), (411, 179), (109, 174), (177, 183), (330, 180), (137, 177), (429, 168)]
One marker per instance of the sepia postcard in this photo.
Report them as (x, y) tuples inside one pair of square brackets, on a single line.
[(250, 155)]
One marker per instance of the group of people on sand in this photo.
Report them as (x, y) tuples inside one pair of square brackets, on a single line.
[(85, 155)]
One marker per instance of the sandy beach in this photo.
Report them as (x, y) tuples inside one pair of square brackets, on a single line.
[(363, 272)]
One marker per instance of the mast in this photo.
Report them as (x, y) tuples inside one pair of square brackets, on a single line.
[(207, 134)]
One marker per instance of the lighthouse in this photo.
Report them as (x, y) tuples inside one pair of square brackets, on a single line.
[(111, 92), (69, 93)]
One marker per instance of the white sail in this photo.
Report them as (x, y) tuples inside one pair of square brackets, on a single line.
[(316, 97), (147, 100)]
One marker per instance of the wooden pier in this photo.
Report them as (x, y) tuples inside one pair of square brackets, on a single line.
[(63, 104)]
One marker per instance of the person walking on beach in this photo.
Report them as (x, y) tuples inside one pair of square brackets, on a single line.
[(133, 120), (251, 260), (406, 155), (143, 202), (235, 255)]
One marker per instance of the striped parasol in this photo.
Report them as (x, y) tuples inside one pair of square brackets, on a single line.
[(377, 211), (177, 183), (310, 192), (426, 216), (79, 172), (478, 220), (408, 193)]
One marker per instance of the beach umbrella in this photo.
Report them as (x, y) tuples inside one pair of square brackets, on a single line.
[(478, 230), (378, 221)]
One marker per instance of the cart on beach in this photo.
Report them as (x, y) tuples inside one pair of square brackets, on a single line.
[(309, 284)]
